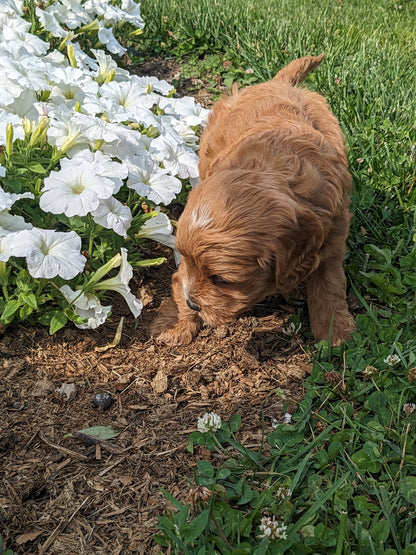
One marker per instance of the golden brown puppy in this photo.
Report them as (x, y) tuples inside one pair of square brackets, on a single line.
[(271, 211)]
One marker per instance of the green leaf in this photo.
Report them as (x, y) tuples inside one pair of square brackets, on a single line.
[(100, 432), (196, 527), (9, 310), (36, 167), (247, 495), (380, 531), (408, 488), (58, 321), (149, 262), (29, 299), (206, 469), (235, 423)]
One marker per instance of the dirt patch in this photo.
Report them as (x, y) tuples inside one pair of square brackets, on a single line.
[(61, 495)]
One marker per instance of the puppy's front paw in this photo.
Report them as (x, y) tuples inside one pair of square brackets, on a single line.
[(181, 334), (173, 328), (342, 328)]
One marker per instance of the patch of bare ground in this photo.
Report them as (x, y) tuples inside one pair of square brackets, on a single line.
[(60, 495)]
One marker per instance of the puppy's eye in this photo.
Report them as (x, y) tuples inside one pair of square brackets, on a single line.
[(217, 281)]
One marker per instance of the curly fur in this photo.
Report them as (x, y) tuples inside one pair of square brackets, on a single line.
[(271, 212)]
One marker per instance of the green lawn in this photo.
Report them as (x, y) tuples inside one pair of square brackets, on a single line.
[(353, 485)]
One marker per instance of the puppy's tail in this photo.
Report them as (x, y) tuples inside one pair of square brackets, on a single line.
[(296, 71)]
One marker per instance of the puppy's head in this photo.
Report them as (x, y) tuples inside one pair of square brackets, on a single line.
[(242, 238)]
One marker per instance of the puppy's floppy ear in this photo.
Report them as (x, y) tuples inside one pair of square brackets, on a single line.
[(294, 254)]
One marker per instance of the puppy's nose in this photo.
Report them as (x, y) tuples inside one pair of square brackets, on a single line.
[(193, 306)]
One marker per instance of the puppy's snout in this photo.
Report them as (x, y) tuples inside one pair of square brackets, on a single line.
[(193, 306)]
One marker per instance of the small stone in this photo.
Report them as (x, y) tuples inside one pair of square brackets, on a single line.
[(68, 390), (42, 388), (103, 400)]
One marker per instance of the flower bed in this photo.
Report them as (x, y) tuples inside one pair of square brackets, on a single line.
[(90, 155)]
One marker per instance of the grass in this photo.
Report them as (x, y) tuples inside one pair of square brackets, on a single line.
[(349, 456)]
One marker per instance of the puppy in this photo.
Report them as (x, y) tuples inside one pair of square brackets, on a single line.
[(271, 212)]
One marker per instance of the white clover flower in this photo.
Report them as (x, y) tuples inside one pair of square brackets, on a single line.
[(283, 493), (112, 214), (86, 305), (287, 418), (272, 528), (120, 283), (391, 360), (409, 408), (210, 422), (291, 329), (50, 253), (149, 180)]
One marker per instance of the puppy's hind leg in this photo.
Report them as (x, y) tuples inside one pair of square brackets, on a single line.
[(176, 323), (328, 311)]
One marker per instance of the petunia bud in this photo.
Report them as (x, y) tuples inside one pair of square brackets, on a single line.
[(70, 52), (9, 139), (28, 127), (39, 133)]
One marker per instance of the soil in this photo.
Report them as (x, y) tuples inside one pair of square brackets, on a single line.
[(63, 495)]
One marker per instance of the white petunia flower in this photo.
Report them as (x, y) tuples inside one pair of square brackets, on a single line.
[(151, 83), (8, 199), (120, 283), (391, 360), (176, 157), (74, 191), (50, 253), (185, 109), (158, 228), (272, 528), (149, 180), (105, 66), (101, 164), (105, 36), (71, 13), (50, 23), (18, 131), (210, 422), (31, 43), (66, 132), (12, 7), (10, 223), (86, 305), (6, 246), (112, 214)]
